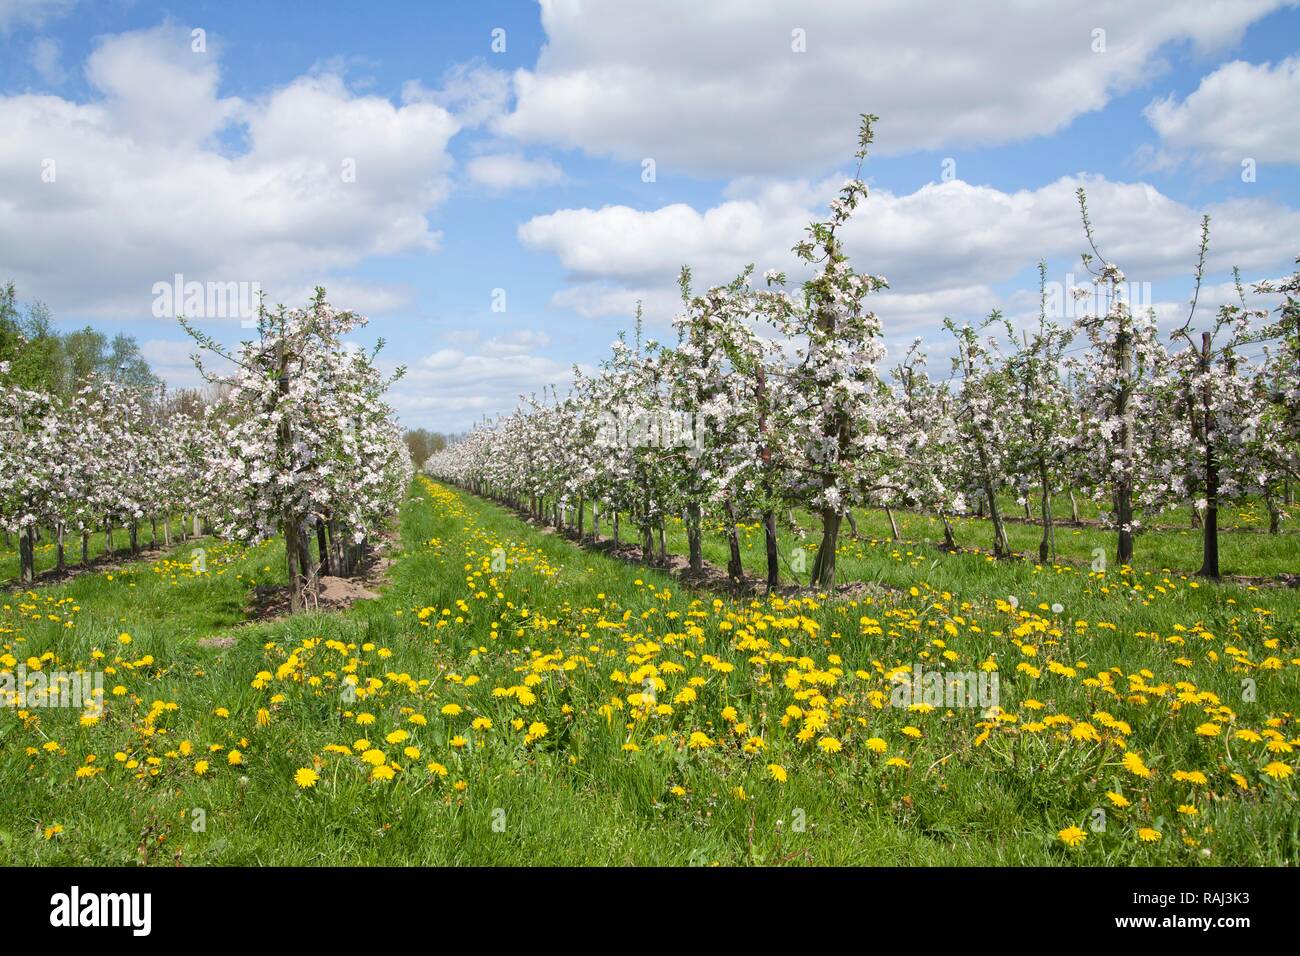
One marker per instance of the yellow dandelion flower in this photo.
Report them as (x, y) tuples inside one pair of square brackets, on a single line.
[(1278, 770), (1134, 765), (1072, 836), (306, 777)]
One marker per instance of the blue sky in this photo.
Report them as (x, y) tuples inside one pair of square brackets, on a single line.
[(479, 169)]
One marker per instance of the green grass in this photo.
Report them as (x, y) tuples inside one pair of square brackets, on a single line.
[(575, 796), (45, 556), (1245, 547)]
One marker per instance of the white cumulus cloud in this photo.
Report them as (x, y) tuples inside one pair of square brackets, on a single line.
[(943, 247), (1240, 111), (157, 173), (501, 171), (732, 86)]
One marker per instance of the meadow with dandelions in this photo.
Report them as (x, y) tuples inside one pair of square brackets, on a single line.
[(746, 599), (566, 706)]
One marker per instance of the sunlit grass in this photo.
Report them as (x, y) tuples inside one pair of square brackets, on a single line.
[(477, 601)]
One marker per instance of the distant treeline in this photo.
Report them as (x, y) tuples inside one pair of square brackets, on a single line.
[(42, 358), (422, 443)]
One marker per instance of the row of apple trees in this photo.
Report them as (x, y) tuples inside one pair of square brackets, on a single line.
[(298, 441), (775, 397)]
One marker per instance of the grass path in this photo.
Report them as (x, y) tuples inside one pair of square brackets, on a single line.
[(492, 707)]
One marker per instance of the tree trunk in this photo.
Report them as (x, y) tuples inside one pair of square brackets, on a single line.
[(853, 524), (647, 537), (769, 540), (290, 524), (1074, 509), (1124, 487), (949, 541), (292, 554), (1210, 535), (1274, 513), (26, 556), (765, 455), (823, 572), (322, 547), (310, 568), (85, 549), (1047, 545), (60, 555), (582, 518), (893, 524), (735, 568), (1001, 548), (336, 549), (694, 537), (1210, 532), (135, 537)]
